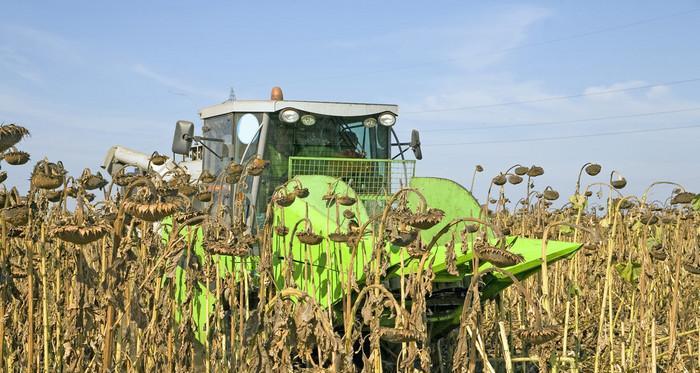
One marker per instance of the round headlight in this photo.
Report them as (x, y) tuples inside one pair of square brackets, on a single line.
[(387, 119), (370, 122), (289, 116), (308, 120)]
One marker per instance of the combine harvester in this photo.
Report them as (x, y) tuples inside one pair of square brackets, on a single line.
[(349, 160)]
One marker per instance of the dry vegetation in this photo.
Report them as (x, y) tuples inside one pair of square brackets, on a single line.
[(89, 285)]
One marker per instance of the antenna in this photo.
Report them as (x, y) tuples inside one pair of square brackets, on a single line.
[(232, 95)]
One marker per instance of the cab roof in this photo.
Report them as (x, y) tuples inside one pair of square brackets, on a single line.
[(339, 109)]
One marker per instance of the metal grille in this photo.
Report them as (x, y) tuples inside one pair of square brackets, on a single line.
[(370, 178)]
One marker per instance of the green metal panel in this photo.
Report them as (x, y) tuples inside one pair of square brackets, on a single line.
[(448, 196), (317, 268), (204, 300)]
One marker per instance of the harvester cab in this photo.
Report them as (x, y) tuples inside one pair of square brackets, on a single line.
[(351, 142)]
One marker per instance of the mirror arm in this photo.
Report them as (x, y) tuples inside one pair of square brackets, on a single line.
[(399, 144), (200, 140), (401, 150)]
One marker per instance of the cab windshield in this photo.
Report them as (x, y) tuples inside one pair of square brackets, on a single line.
[(331, 137)]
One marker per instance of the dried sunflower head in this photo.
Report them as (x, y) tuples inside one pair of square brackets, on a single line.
[(471, 228), (538, 336), (48, 175), (16, 157), (499, 180), (425, 220), (348, 214), (622, 204), (648, 218), (550, 194), (238, 245), (191, 218), (150, 211), (54, 195), (521, 170), (204, 196), (657, 252), (281, 230), (683, 198), (619, 183), (148, 206), (17, 215), (123, 178), (187, 190), (593, 169), (345, 200), (158, 159), (403, 237), (339, 237), (515, 179), (496, 256), (206, 177), (257, 166), (301, 192), (80, 234), (309, 237), (91, 182), (234, 170), (591, 247), (535, 171), (284, 199), (10, 135)]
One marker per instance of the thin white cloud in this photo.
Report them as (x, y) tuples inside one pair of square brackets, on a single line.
[(492, 38), (634, 155), (477, 42), (176, 86), (34, 41), (15, 63), (54, 117), (24, 49)]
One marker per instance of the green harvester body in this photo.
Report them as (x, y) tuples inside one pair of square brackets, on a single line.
[(342, 152)]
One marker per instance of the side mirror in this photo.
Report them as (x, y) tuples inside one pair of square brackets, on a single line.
[(182, 140), (415, 144)]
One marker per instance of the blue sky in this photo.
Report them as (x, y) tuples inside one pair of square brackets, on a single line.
[(83, 76)]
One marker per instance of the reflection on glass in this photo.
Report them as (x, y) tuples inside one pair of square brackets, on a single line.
[(247, 128)]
